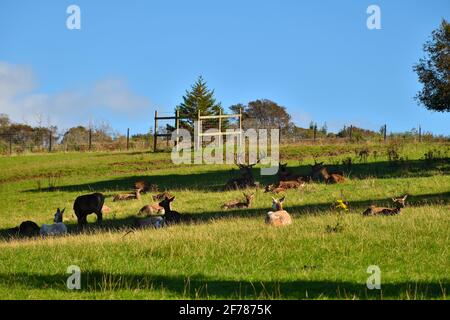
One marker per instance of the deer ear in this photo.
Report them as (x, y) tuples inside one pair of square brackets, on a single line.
[(58, 211), (282, 199), (406, 196), (63, 210), (274, 200), (171, 199)]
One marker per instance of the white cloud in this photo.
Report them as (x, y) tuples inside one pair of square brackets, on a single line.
[(20, 100)]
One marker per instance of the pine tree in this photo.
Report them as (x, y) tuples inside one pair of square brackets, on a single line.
[(199, 98)]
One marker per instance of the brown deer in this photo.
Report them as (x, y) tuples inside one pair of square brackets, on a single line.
[(284, 185), (161, 196), (128, 196), (320, 172), (279, 217), (141, 185), (236, 204), (151, 210), (399, 204)]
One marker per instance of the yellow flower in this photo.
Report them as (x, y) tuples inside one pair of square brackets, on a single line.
[(341, 204)]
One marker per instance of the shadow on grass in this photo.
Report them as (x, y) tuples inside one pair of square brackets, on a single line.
[(216, 180), (201, 287), (126, 224)]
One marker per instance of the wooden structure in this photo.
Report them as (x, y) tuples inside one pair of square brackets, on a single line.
[(199, 134)]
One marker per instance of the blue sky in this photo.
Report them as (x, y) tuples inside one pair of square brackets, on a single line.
[(317, 58)]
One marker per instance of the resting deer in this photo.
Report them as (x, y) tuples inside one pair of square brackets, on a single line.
[(26, 229), (284, 185), (246, 179), (279, 217), (155, 222), (320, 172), (161, 196), (170, 215), (236, 204), (285, 175), (57, 228), (128, 196), (151, 210), (399, 204)]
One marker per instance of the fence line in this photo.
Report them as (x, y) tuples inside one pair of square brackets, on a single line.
[(88, 141)]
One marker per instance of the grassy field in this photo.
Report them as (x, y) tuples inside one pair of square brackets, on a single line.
[(230, 254)]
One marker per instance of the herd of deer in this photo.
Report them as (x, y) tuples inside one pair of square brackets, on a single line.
[(160, 213)]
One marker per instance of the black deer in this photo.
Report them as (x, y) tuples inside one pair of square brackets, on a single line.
[(170, 215), (87, 204)]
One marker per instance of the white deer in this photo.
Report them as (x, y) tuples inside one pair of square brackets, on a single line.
[(57, 228)]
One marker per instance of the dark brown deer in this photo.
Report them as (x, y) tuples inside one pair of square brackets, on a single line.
[(246, 180), (236, 204), (285, 175), (87, 204), (170, 215), (399, 204), (26, 229)]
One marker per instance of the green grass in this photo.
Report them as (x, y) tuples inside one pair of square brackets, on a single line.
[(229, 254)]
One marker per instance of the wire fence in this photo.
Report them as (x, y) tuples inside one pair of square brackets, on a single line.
[(91, 140)]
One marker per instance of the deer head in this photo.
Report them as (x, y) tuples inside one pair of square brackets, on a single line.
[(59, 216), (400, 202), (249, 197), (277, 204), (167, 203)]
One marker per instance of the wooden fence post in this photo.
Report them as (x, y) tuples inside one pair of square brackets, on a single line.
[(351, 132), (10, 144), (155, 131), (177, 127), (128, 138), (420, 134), (90, 139), (50, 142), (385, 133)]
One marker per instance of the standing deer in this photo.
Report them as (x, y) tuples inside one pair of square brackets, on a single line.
[(399, 204), (87, 204), (279, 217), (236, 204)]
